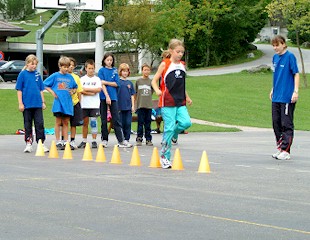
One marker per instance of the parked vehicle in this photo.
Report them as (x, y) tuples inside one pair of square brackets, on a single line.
[(80, 70), (10, 70), (2, 62)]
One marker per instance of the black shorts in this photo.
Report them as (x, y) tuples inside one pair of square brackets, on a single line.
[(91, 112), (61, 115), (77, 118)]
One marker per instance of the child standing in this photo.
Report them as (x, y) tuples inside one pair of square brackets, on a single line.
[(173, 98), (144, 106), (77, 118), (90, 102), (125, 100), (110, 79), (61, 85), (30, 97), (284, 96)]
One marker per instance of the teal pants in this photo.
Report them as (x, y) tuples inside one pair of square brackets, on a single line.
[(176, 120)]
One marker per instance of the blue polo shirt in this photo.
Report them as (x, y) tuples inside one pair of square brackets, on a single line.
[(285, 68), (110, 75), (126, 90), (31, 85)]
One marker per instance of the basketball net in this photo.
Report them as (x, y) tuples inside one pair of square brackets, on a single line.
[(74, 12)]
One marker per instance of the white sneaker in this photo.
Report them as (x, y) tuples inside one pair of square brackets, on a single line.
[(73, 144), (124, 144), (164, 162), (45, 149), (275, 155), (28, 148), (284, 156), (104, 143)]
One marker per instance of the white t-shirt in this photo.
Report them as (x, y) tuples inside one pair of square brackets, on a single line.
[(90, 101)]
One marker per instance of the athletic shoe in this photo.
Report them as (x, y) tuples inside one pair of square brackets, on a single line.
[(94, 144), (60, 146), (45, 149), (174, 141), (164, 162), (28, 148), (73, 145), (149, 143), (155, 131), (104, 143), (275, 155), (82, 145), (284, 156), (124, 144), (139, 141)]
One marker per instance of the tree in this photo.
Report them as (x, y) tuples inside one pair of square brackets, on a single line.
[(16, 9), (297, 16)]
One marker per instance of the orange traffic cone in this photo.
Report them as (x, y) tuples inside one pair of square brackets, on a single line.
[(177, 161), (53, 151), (135, 157), (87, 156), (155, 163), (100, 154), (40, 150), (116, 157), (204, 166), (67, 153)]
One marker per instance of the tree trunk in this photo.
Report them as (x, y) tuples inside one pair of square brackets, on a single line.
[(304, 77)]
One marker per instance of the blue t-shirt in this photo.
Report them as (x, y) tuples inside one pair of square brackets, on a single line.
[(61, 84), (125, 91), (110, 75), (285, 68), (31, 85)]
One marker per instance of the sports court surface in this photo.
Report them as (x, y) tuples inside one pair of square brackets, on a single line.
[(248, 195)]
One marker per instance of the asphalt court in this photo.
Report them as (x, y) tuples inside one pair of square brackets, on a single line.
[(247, 195)]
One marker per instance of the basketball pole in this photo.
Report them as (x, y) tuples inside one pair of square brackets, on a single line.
[(40, 37)]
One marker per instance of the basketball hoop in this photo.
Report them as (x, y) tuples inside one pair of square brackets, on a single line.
[(75, 11)]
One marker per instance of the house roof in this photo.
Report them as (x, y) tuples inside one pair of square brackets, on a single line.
[(9, 30)]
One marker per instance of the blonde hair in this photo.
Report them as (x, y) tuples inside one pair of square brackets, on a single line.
[(175, 43), (165, 54), (29, 59), (123, 66), (64, 61)]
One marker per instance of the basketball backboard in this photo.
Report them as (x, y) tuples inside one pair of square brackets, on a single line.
[(87, 5)]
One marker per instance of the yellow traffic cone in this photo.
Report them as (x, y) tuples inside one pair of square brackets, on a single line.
[(40, 150), (116, 157), (53, 151), (204, 166), (100, 154), (87, 156), (67, 152), (135, 157), (155, 163), (177, 161)]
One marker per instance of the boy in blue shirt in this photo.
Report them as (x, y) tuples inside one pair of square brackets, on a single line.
[(284, 96), (61, 85)]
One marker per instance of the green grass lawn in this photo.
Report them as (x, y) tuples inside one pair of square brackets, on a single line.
[(238, 99)]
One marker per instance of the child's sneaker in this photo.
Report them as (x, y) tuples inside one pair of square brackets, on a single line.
[(73, 145), (139, 141), (28, 148), (275, 155), (60, 146), (174, 141), (284, 156), (82, 145), (94, 144), (149, 143), (124, 144), (45, 149), (164, 162), (104, 143)]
